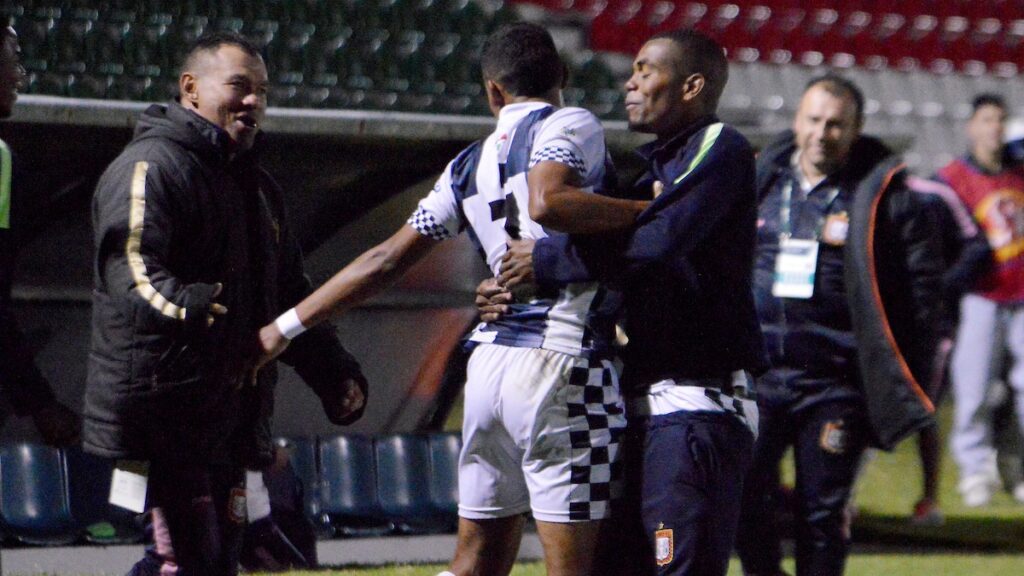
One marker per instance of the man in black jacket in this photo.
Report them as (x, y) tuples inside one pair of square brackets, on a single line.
[(847, 282), (24, 388), (193, 255)]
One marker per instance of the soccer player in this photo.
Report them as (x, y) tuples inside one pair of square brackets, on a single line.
[(543, 413), (690, 318)]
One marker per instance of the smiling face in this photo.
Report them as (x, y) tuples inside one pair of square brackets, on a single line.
[(825, 127), (12, 75), (228, 87), (659, 98)]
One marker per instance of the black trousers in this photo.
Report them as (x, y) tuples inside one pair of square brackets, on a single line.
[(828, 440), (198, 519), (684, 482)]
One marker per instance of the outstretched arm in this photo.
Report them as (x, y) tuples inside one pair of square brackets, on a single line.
[(370, 273)]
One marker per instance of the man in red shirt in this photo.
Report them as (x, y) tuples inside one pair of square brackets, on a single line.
[(991, 185)]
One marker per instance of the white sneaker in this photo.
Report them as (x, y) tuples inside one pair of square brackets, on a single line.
[(976, 490), (1018, 493)]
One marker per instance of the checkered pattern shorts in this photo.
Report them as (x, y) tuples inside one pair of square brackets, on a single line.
[(541, 432)]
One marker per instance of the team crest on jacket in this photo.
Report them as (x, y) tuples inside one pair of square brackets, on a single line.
[(833, 437), (664, 546), (836, 228)]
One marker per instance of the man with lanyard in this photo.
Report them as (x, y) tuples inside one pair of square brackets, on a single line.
[(543, 414), (24, 388), (685, 271), (833, 314), (991, 185)]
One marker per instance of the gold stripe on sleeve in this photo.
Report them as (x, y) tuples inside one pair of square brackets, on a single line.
[(136, 219)]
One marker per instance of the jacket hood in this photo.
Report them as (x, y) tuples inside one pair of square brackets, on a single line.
[(865, 155), (190, 130)]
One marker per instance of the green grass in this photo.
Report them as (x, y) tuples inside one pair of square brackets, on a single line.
[(942, 564), (891, 485)]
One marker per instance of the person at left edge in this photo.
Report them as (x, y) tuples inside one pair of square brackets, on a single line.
[(193, 255), (23, 386)]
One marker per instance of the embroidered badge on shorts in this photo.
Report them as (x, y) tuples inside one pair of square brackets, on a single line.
[(833, 437), (236, 505), (664, 546)]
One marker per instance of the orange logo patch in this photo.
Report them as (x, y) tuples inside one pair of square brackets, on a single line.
[(664, 546), (833, 437), (236, 506)]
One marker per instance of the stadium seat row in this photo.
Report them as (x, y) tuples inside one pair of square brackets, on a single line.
[(939, 36), (352, 485), (416, 55), (406, 483), (55, 497)]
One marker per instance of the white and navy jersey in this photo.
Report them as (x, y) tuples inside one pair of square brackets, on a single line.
[(484, 191)]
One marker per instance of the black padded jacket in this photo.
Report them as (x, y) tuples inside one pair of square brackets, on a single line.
[(174, 215), (890, 282)]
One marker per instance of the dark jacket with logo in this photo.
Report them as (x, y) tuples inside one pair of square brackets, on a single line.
[(173, 216), (871, 327), (685, 265)]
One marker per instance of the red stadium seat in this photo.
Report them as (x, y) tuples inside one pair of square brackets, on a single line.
[(874, 48), (610, 29)]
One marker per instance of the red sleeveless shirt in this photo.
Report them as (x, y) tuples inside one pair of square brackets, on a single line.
[(997, 203)]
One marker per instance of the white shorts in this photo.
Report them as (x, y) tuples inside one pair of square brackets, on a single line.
[(540, 432)]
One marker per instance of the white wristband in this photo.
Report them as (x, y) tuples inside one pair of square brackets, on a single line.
[(289, 324)]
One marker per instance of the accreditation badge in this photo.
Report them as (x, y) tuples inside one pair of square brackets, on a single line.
[(128, 484), (836, 228), (794, 268)]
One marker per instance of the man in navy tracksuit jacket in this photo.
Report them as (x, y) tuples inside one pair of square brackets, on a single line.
[(850, 338), (691, 322)]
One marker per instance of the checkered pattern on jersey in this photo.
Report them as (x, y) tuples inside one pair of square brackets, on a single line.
[(425, 223), (559, 155), (596, 424)]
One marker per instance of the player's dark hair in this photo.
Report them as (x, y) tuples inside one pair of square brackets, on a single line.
[(987, 99), (522, 58)]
